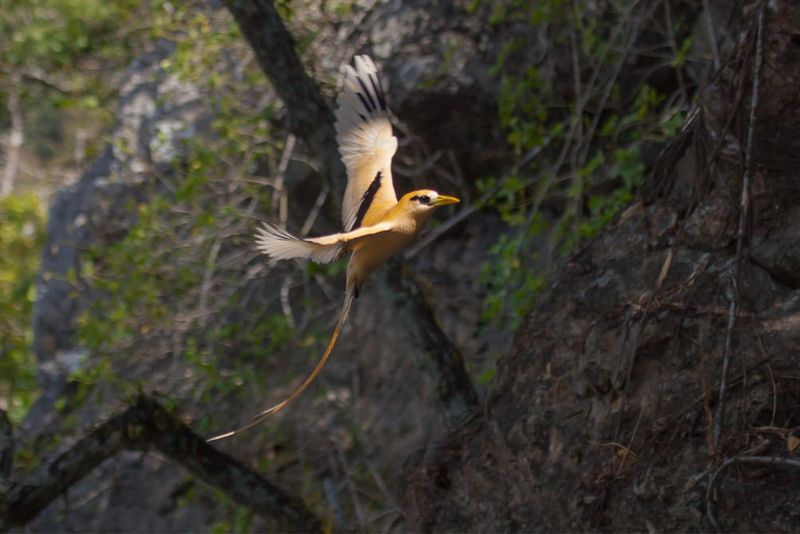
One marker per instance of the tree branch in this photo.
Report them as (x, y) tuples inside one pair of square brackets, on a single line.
[(744, 204), (308, 115), (39, 76), (147, 425)]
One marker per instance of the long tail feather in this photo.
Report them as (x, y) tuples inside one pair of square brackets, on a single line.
[(348, 302)]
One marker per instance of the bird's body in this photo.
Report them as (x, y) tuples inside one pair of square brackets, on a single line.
[(372, 252), (377, 224)]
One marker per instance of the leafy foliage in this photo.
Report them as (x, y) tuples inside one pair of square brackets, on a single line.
[(52, 34), (57, 58), (592, 122), (59, 68), (21, 237)]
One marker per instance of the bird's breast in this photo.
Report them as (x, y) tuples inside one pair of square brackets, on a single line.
[(371, 253)]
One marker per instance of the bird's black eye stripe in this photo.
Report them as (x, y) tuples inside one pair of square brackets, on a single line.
[(423, 199)]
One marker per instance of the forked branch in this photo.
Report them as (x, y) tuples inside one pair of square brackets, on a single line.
[(146, 425)]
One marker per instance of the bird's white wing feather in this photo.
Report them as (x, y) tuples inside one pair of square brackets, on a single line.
[(278, 244), (366, 143)]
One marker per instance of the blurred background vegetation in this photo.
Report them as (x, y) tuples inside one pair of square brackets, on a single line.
[(58, 62), (184, 281), (21, 233)]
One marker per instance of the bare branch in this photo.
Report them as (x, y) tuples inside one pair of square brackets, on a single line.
[(147, 425), (740, 237), (280, 201), (38, 75)]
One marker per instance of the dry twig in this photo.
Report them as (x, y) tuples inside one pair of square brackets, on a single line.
[(740, 237), (772, 461)]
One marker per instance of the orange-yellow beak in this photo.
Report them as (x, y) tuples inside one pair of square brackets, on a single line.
[(444, 200)]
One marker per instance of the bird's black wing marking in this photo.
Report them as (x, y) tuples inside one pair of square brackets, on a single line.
[(366, 201), (371, 107), (364, 102), (376, 85)]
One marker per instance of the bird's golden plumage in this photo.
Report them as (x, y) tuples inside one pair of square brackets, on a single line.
[(376, 223)]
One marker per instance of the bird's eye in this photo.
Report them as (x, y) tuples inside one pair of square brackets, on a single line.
[(425, 199)]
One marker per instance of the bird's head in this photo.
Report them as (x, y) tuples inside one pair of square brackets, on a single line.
[(422, 202)]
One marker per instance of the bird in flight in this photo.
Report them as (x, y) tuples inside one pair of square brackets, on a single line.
[(376, 223)]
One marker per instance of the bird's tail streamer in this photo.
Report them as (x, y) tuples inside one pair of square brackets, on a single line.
[(266, 414)]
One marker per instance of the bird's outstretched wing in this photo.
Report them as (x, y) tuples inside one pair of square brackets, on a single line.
[(278, 244), (366, 144)]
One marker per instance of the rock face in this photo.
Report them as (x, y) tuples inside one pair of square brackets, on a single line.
[(154, 113), (600, 416), (440, 55)]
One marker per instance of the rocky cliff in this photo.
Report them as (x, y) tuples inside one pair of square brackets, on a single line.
[(603, 415)]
